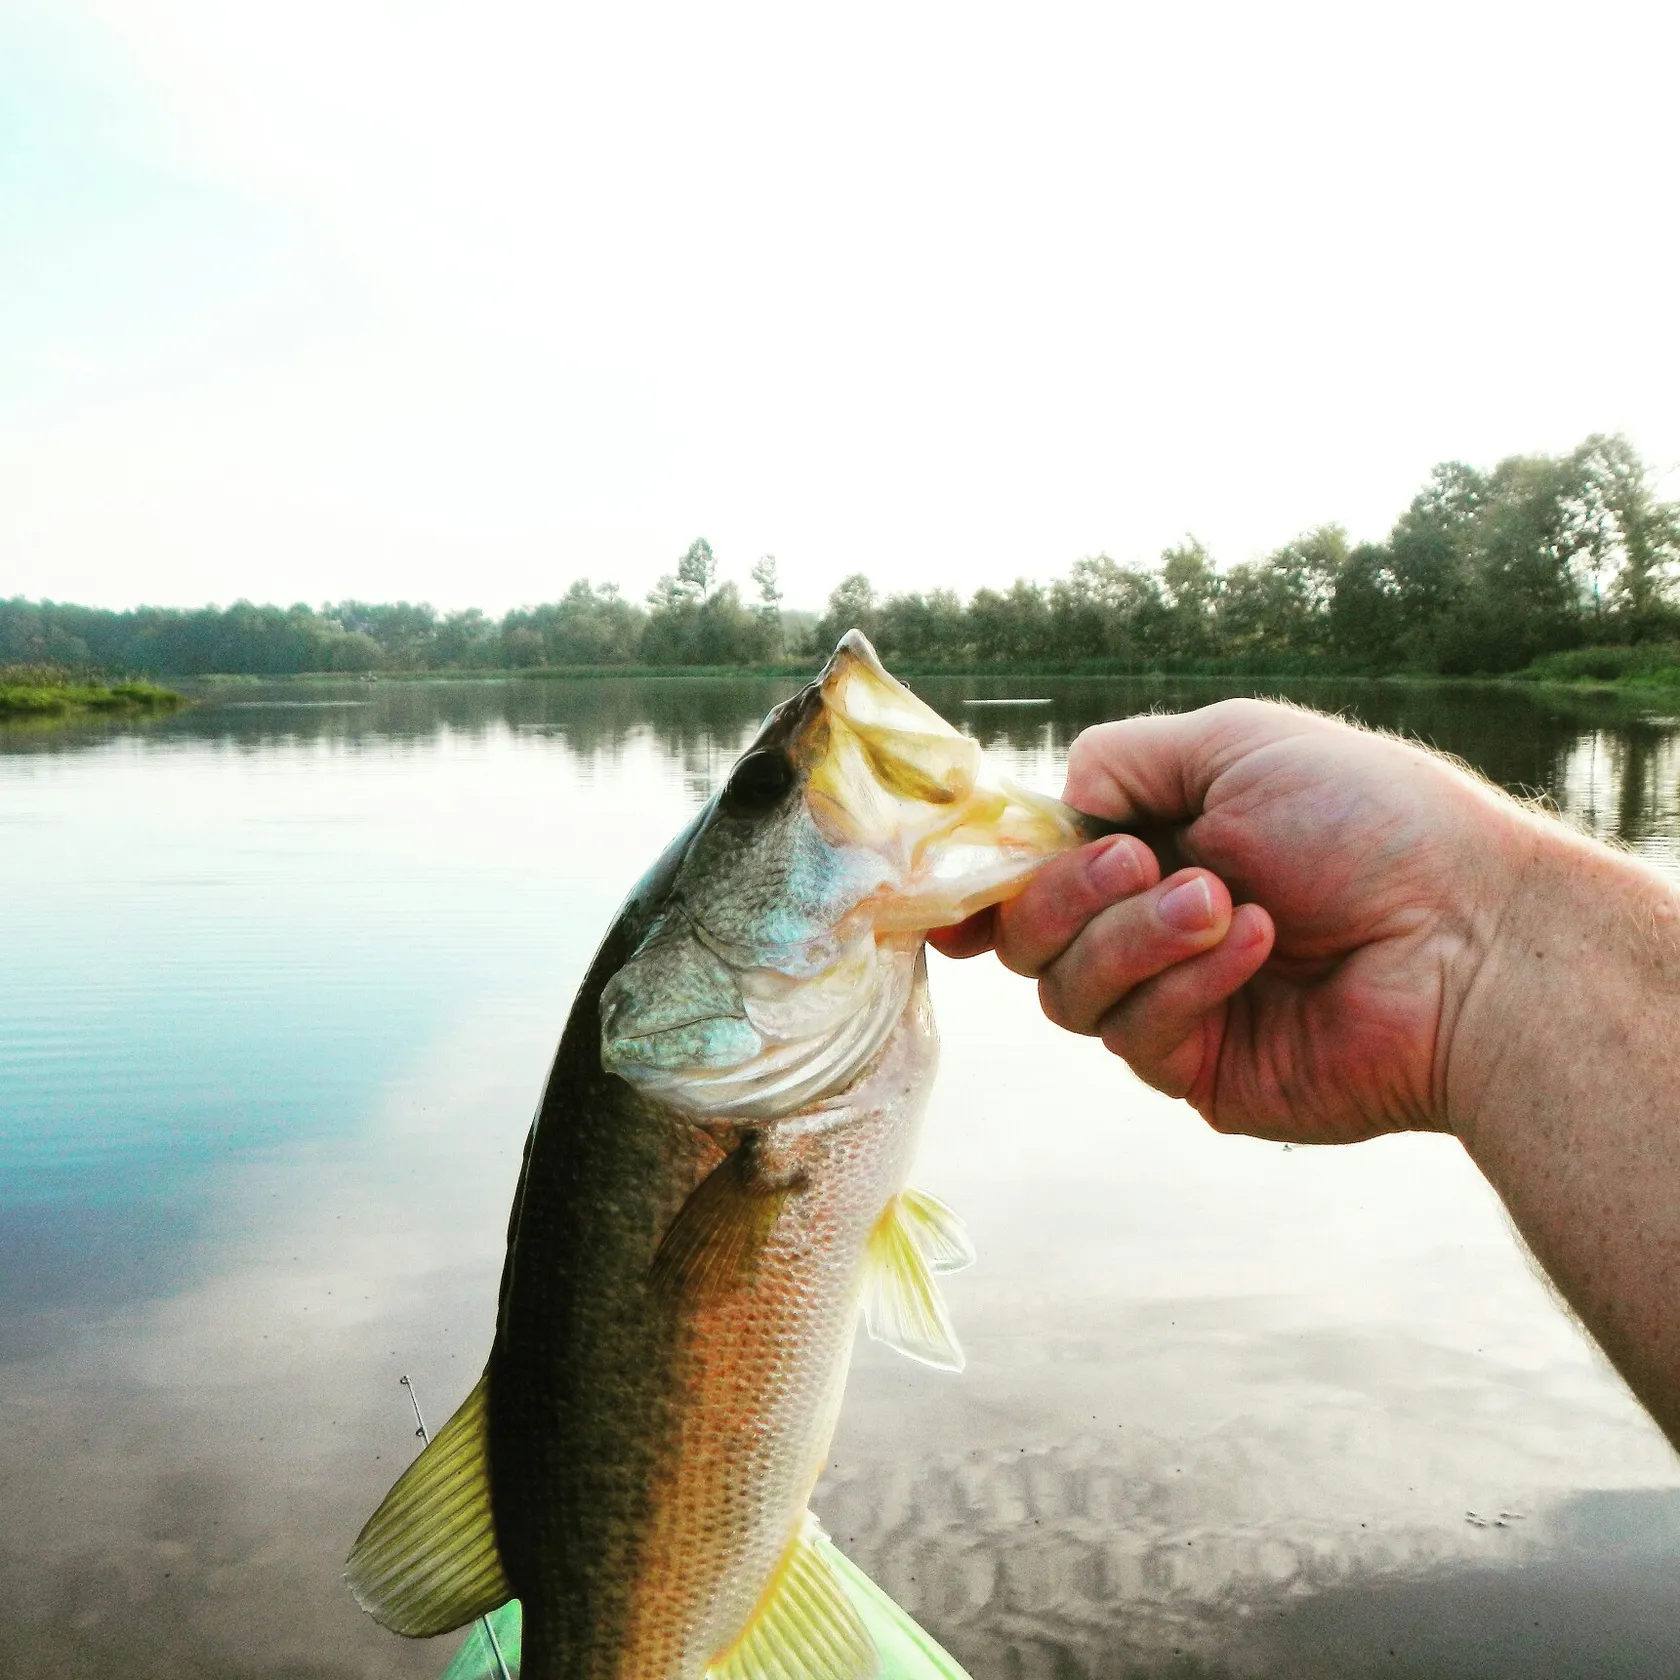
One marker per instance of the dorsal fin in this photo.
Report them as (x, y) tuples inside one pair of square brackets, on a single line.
[(902, 1302), (427, 1561), (713, 1244), (804, 1627)]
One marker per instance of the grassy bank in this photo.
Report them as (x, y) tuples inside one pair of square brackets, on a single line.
[(1645, 665), (44, 691)]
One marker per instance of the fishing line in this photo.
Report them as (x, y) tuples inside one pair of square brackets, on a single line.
[(483, 1621)]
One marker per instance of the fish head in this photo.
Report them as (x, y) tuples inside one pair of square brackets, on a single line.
[(790, 939)]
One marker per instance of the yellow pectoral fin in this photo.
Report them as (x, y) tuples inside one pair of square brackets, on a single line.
[(427, 1561), (804, 1627), (902, 1302), (713, 1244), (936, 1231)]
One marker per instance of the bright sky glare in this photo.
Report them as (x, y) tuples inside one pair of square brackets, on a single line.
[(459, 303)]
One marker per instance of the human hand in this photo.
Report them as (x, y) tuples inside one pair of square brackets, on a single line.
[(1369, 877)]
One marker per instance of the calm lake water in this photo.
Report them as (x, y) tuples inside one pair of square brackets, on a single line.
[(281, 980)]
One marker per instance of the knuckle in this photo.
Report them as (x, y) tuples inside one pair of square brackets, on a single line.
[(1149, 1044), (1246, 709), (1019, 939), (1060, 894), (1168, 1084), (1034, 929), (1050, 999), (1090, 781), (1087, 745), (1117, 1037), (1060, 1005), (1121, 946)]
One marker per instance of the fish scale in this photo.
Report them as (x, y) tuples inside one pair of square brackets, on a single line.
[(760, 1375)]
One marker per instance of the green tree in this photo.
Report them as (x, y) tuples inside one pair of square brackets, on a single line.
[(405, 632), (1634, 538), (769, 607), (1522, 597), (694, 620), (691, 583), (468, 640), (1192, 586), (916, 626), (1105, 610), (1364, 622), (1281, 606), (1430, 552), (586, 626), (1013, 627), (851, 606), (799, 632), (697, 570)]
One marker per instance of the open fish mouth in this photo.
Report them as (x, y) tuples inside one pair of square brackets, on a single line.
[(887, 774), (790, 943)]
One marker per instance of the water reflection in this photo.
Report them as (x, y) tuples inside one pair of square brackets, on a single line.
[(1594, 756), (290, 978)]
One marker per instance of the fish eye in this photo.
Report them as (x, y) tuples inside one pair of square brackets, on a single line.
[(759, 781)]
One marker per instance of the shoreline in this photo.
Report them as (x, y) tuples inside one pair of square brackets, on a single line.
[(1665, 684)]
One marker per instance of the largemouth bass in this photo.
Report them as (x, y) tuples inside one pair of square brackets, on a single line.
[(713, 1188)]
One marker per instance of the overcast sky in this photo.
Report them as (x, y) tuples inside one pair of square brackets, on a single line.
[(461, 302)]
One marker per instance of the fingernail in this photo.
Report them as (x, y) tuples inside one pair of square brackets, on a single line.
[(1114, 871), (1188, 908)]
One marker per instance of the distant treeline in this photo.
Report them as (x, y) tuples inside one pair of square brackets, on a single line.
[(1483, 572), (690, 619)]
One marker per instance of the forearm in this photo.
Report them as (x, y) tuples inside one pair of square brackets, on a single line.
[(1564, 1085)]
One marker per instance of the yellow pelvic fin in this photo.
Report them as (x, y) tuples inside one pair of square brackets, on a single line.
[(936, 1231), (902, 1302), (427, 1561), (908, 1652), (712, 1246), (804, 1627)]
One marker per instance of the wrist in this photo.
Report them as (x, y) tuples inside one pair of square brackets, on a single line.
[(1572, 942)]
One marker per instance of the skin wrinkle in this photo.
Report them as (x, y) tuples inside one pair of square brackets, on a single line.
[(1124, 1028), (1391, 851), (1239, 1014), (1658, 930), (1459, 1115)]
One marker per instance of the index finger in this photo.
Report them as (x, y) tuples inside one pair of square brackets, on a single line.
[(966, 939), (1034, 929)]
